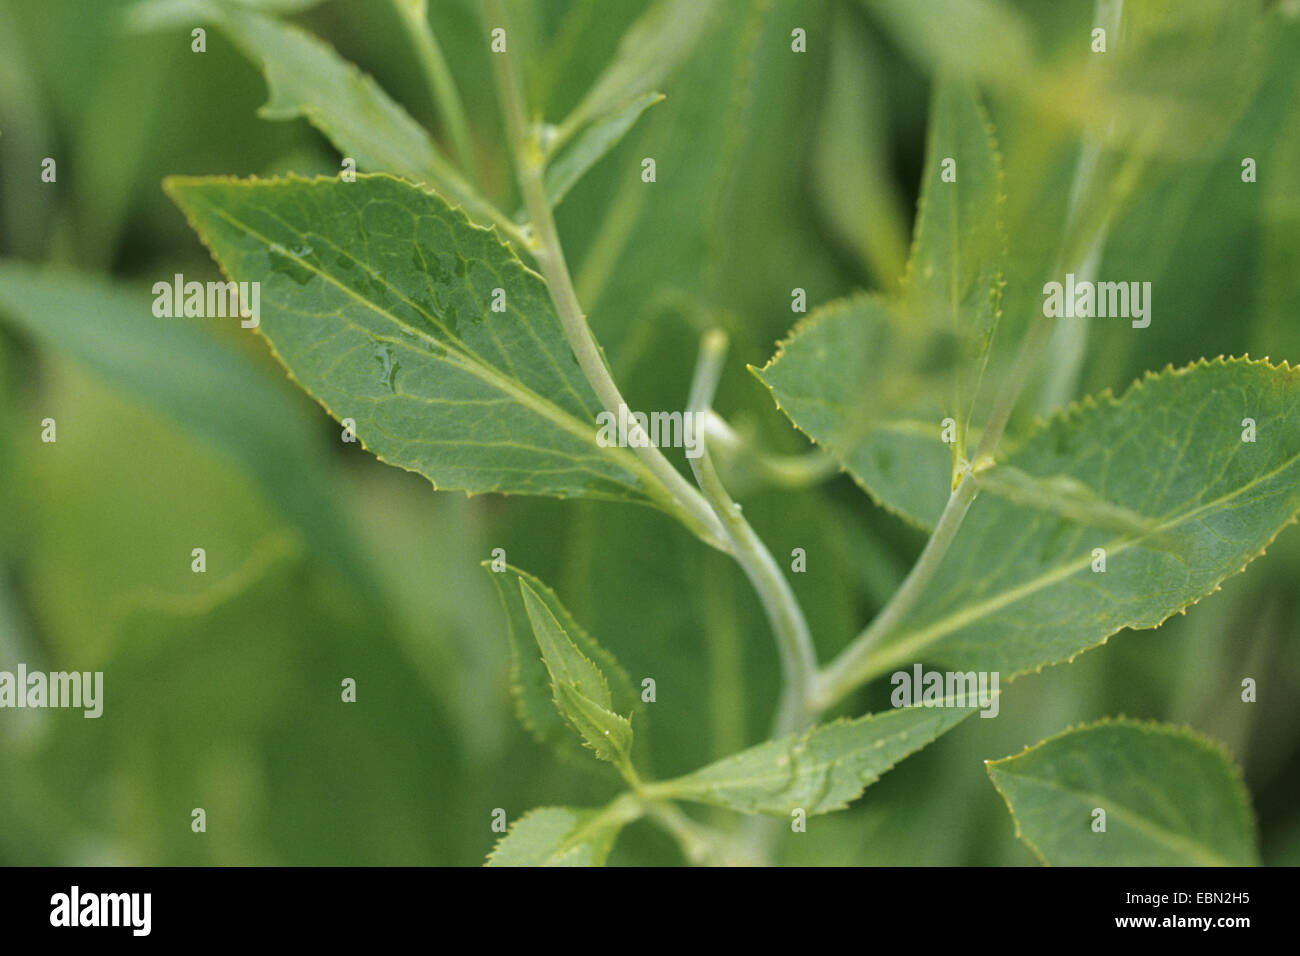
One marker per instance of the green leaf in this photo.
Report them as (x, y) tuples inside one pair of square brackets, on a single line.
[(1171, 798), (871, 380), (953, 279), (596, 139), (376, 297), (581, 694), (888, 437), (193, 378), (563, 836), (162, 14), (855, 186), (531, 677), (980, 39), (821, 770), (307, 78), (1017, 590), (649, 53)]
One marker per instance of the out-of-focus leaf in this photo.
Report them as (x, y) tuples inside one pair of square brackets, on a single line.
[(307, 78), (248, 674), (954, 274), (979, 39), (651, 50), (1279, 288), (377, 296), (821, 770), (855, 188), (1171, 798), (164, 14), (736, 112), (873, 382), (194, 379), (25, 139)]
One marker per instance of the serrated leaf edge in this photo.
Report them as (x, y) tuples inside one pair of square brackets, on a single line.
[(1211, 745)]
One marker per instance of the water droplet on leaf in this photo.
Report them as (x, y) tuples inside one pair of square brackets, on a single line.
[(283, 263), (388, 365)]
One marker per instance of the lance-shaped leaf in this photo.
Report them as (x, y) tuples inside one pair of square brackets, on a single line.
[(1019, 590), (217, 394), (1170, 798), (531, 681), (821, 770), (980, 39), (595, 140), (307, 78), (954, 274), (580, 691), (381, 300), (849, 377), (853, 177), (650, 52), (563, 836)]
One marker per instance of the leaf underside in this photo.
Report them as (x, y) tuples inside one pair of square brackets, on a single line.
[(557, 836), (531, 681), (579, 689), (821, 770)]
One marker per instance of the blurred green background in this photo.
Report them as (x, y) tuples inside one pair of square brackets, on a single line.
[(775, 170)]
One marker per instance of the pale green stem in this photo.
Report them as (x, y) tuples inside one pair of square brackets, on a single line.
[(1069, 343), (545, 246), (442, 86), (793, 640), (785, 471), (701, 845), (854, 665), (1031, 352)]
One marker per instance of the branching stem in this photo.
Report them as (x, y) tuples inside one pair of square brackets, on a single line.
[(854, 665), (545, 246), (794, 642)]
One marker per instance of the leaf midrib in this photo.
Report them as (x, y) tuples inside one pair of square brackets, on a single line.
[(767, 779), (906, 648)]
